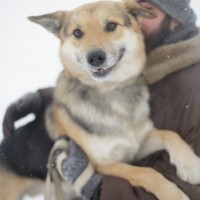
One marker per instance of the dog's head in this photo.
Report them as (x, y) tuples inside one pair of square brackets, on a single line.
[(100, 41)]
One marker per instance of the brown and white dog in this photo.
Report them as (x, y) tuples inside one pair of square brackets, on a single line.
[(101, 99)]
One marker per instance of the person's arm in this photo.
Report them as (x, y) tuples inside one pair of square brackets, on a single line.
[(29, 146), (17, 143)]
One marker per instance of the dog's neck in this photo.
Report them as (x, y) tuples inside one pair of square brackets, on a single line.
[(83, 103)]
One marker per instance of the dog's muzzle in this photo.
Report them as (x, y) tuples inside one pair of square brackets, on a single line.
[(97, 60)]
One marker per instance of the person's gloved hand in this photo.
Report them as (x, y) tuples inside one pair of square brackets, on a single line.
[(29, 103), (69, 165)]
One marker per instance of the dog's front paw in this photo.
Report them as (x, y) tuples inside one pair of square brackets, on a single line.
[(189, 169)]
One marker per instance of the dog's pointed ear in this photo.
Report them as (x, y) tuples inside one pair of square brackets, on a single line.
[(138, 11), (52, 22)]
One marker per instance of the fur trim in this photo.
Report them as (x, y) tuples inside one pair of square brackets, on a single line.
[(171, 58)]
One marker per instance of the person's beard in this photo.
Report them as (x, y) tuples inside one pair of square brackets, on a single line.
[(157, 39)]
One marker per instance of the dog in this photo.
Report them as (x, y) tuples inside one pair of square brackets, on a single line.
[(101, 98)]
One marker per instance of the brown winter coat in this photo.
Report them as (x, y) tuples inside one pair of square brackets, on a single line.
[(173, 73)]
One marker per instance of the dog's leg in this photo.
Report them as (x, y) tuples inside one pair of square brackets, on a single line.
[(147, 178), (69, 128), (13, 187), (181, 155), (137, 176)]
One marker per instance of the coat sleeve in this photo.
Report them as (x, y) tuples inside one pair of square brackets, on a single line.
[(30, 103)]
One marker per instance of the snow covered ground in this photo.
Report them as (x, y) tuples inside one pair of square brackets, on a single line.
[(29, 55)]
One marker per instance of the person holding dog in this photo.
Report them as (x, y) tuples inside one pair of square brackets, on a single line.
[(172, 72)]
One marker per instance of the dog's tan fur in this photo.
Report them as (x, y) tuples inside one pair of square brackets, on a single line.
[(13, 187), (117, 129)]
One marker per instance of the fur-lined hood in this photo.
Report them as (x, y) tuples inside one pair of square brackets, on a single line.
[(171, 58)]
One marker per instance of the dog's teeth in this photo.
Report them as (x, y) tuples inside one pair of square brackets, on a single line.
[(97, 70), (100, 72)]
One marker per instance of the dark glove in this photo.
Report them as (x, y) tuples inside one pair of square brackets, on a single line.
[(29, 103), (69, 165)]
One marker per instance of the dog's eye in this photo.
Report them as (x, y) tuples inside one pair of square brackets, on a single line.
[(111, 26), (77, 33)]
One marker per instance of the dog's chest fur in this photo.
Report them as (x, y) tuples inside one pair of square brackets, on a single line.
[(118, 120)]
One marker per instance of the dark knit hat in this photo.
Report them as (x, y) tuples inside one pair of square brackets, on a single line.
[(179, 10)]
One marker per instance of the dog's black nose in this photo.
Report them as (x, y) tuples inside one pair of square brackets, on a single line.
[(96, 57)]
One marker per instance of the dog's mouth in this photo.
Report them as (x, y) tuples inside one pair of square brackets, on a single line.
[(101, 72)]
